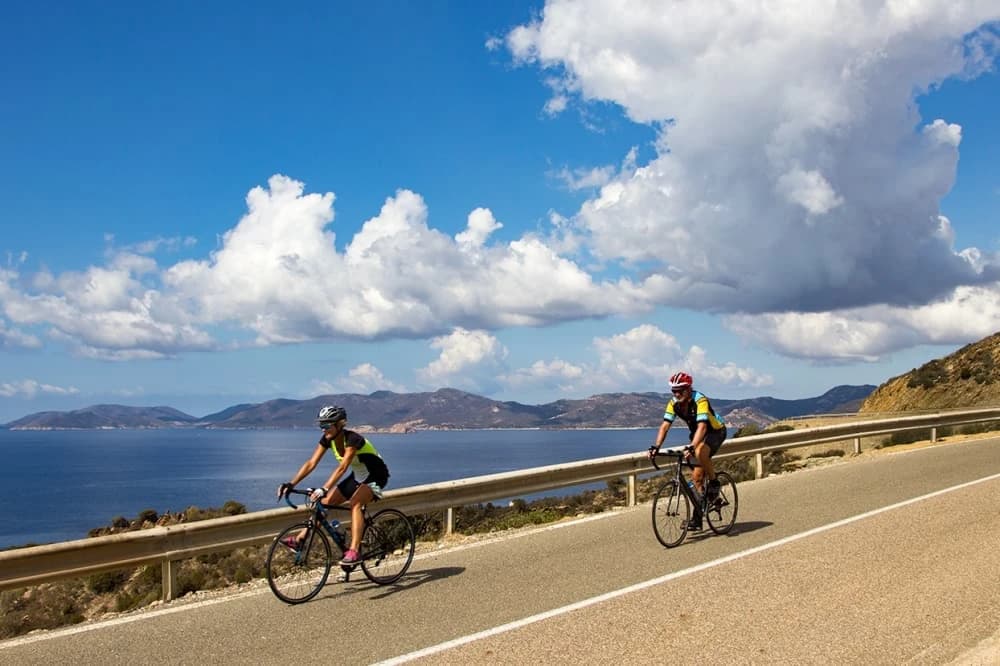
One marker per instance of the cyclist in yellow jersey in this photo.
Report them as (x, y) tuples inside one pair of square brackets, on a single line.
[(707, 433), (354, 454)]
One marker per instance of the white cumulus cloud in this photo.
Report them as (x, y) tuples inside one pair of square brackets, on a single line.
[(640, 359), (29, 388), (469, 360), (868, 333), (794, 172), (362, 378)]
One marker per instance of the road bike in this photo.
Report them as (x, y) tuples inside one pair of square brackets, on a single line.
[(298, 568), (674, 499)]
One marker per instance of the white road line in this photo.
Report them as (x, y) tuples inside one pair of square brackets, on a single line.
[(517, 624)]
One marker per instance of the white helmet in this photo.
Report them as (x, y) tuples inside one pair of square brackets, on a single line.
[(331, 414)]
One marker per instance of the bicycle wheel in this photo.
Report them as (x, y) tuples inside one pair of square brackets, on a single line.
[(387, 546), (671, 511), (721, 513), (298, 574)]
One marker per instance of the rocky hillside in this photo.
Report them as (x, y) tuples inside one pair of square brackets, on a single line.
[(970, 377), (446, 409)]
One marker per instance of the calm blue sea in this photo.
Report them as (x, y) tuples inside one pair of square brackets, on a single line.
[(57, 485)]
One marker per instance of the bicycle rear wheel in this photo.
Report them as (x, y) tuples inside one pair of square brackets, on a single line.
[(387, 546), (721, 513), (298, 574), (671, 511)]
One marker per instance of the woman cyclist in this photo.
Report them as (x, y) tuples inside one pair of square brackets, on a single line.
[(355, 455)]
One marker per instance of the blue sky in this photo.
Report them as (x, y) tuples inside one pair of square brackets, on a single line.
[(529, 201)]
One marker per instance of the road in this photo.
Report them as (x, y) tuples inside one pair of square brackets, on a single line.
[(887, 559)]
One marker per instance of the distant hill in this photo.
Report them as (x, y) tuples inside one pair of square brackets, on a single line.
[(107, 416), (969, 377), (840, 399), (445, 409)]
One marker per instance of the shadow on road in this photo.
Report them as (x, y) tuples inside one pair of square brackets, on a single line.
[(749, 526), (738, 529), (409, 581), (414, 579)]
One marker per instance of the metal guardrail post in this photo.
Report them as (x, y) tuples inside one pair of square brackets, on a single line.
[(933, 435), (449, 520), (758, 471), (168, 579), (857, 445), (630, 499)]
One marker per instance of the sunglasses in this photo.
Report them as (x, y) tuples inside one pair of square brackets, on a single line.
[(678, 391)]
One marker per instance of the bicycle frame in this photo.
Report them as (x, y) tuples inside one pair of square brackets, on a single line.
[(318, 516), (697, 499)]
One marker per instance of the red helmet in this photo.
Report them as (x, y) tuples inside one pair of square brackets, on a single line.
[(680, 380)]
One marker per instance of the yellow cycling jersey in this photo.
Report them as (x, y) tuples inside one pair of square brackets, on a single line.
[(696, 409), (366, 459)]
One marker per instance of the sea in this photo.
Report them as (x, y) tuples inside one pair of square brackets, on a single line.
[(59, 484)]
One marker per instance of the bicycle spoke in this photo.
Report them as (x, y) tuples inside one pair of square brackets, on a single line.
[(297, 574), (721, 513), (671, 511), (387, 546)]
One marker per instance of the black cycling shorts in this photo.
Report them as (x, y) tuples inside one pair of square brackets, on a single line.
[(349, 485), (714, 439)]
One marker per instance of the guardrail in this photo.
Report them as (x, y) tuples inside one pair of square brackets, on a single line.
[(170, 545)]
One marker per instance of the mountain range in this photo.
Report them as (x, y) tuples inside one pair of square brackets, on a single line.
[(444, 409)]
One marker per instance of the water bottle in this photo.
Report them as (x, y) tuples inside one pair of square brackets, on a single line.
[(338, 534), (694, 490)]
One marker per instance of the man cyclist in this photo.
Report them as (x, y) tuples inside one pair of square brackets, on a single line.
[(707, 433), (355, 455)]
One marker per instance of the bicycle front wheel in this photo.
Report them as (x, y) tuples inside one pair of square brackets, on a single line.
[(721, 513), (671, 511), (298, 574), (387, 546)]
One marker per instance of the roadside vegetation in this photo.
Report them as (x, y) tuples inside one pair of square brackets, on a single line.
[(54, 605)]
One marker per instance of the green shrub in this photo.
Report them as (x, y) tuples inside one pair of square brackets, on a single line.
[(906, 437), (130, 600), (243, 574), (747, 430), (108, 581), (126, 601), (428, 526), (754, 429), (233, 508), (827, 454), (148, 576), (617, 485), (782, 427), (190, 579), (978, 428), (147, 516)]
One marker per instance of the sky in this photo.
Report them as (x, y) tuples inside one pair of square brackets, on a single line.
[(206, 205)]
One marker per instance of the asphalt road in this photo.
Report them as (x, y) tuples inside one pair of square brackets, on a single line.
[(888, 559)]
